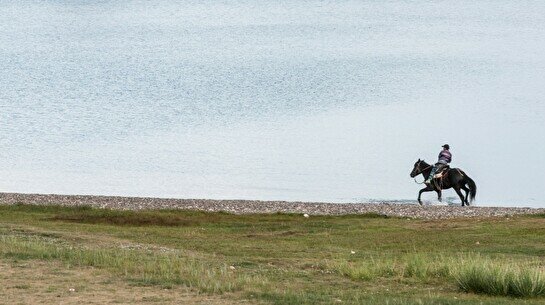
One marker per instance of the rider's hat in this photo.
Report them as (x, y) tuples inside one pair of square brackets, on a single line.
[(446, 146)]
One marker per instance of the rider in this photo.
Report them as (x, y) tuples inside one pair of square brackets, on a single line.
[(445, 157)]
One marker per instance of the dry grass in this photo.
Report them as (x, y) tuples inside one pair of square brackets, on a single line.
[(51, 282), (165, 269)]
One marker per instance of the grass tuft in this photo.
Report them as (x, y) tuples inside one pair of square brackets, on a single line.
[(485, 277)]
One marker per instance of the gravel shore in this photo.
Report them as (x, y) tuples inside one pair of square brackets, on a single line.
[(254, 206)]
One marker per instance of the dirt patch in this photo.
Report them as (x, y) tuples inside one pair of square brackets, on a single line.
[(38, 282)]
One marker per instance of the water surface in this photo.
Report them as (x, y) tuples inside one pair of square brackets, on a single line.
[(292, 100)]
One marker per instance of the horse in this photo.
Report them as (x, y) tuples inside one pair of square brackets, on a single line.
[(453, 178)]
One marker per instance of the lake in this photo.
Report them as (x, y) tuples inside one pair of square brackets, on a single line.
[(273, 100)]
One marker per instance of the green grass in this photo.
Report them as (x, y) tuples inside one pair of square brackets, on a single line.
[(289, 259), (475, 275), (420, 266), (131, 218)]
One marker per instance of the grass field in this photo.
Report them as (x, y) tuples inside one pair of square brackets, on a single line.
[(216, 258)]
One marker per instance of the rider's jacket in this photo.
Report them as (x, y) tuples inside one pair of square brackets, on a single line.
[(445, 156)]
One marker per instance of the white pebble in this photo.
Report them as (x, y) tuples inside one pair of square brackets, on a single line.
[(305, 215)]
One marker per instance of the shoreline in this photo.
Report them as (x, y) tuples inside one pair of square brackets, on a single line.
[(267, 207)]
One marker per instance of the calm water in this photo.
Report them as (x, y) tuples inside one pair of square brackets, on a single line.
[(292, 100)]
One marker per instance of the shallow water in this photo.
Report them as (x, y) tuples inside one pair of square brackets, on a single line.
[(290, 100)]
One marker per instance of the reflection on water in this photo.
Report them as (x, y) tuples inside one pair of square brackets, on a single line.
[(294, 100)]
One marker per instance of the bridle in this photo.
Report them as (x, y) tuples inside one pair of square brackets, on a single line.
[(421, 171)]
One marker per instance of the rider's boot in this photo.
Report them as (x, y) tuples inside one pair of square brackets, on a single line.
[(430, 177)]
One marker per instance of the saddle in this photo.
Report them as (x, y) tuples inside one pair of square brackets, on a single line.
[(443, 173)]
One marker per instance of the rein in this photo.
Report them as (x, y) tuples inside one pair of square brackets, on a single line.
[(420, 172), (423, 181)]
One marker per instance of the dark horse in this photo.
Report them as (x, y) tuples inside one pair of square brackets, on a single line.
[(454, 178)]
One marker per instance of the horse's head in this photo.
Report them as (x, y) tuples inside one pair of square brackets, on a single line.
[(418, 168)]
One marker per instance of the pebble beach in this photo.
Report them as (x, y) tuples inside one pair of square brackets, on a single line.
[(392, 209)]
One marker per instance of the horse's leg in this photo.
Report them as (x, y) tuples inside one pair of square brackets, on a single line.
[(439, 195), (457, 189), (467, 193), (428, 188)]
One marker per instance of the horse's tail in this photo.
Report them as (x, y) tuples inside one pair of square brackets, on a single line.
[(472, 188)]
